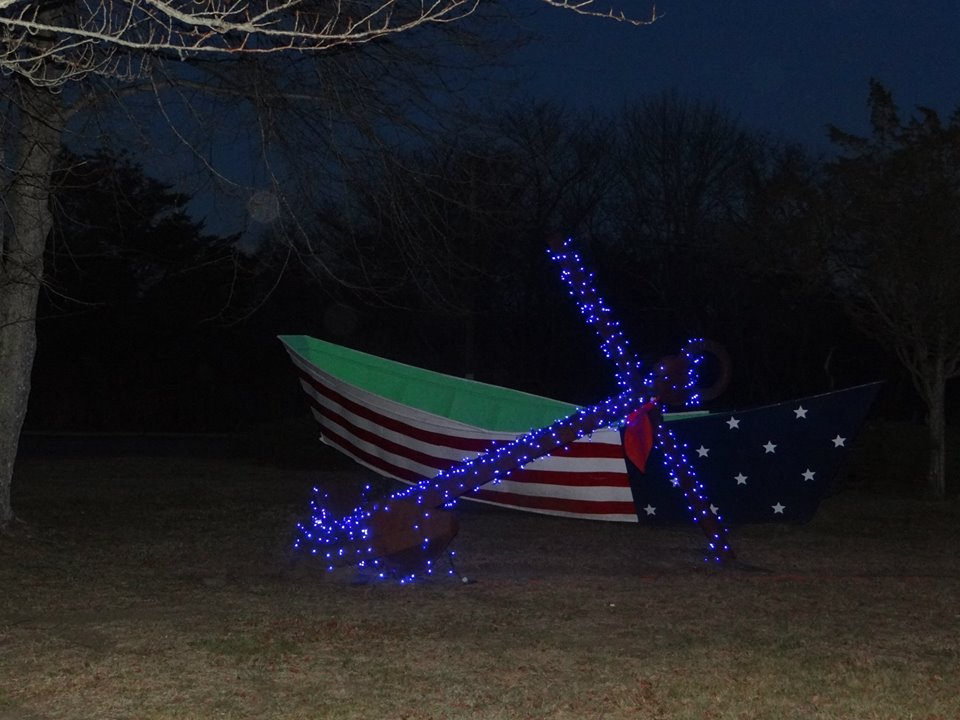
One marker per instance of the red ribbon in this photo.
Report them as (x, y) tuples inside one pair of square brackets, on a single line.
[(638, 436)]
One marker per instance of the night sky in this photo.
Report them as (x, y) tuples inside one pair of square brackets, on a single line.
[(786, 68)]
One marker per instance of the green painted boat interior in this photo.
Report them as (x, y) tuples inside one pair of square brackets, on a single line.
[(468, 401)]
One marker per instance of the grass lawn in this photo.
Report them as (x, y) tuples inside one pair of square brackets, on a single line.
[(164, 588)]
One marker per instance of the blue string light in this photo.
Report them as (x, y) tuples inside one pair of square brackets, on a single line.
[(352, 539), (662, 383)]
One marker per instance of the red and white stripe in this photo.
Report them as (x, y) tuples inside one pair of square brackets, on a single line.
[(587, 480)]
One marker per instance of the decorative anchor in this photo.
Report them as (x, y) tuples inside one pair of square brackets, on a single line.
[(408, 530), (672, 383)]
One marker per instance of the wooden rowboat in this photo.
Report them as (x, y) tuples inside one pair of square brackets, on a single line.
[(766, 464)]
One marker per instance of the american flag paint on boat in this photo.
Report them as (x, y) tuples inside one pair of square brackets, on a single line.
[(767, 464)]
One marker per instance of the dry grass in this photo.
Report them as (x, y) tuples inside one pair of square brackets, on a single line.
[(162, 588)]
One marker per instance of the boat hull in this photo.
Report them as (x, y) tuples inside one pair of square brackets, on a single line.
[(766, 464)]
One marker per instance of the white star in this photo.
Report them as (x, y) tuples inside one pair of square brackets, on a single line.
[(733, 423), (839, 441), (770, 447), (740, 478), (800, 412), (714, 509), (808, 475), (675, 482), (702, 451), (650, 509), (778, 508)]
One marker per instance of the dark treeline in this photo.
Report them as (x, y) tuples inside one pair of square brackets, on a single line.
[(435, 256)]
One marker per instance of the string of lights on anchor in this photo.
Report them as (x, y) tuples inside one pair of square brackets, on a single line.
[(659, 383), (352, 539)]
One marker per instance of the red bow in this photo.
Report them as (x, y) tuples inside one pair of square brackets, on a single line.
[(638, 436)]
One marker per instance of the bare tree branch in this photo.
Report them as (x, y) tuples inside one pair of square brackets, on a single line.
[(119, 39)]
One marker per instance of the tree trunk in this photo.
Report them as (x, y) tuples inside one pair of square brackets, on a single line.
[(21, 267), (934, 395)]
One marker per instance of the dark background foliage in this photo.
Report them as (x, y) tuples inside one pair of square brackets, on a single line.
[(147, 323)]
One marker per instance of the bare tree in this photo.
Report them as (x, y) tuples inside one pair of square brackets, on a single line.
[(892, 248), (61, 56), (683, 164), (458, 225), (682, 169)]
